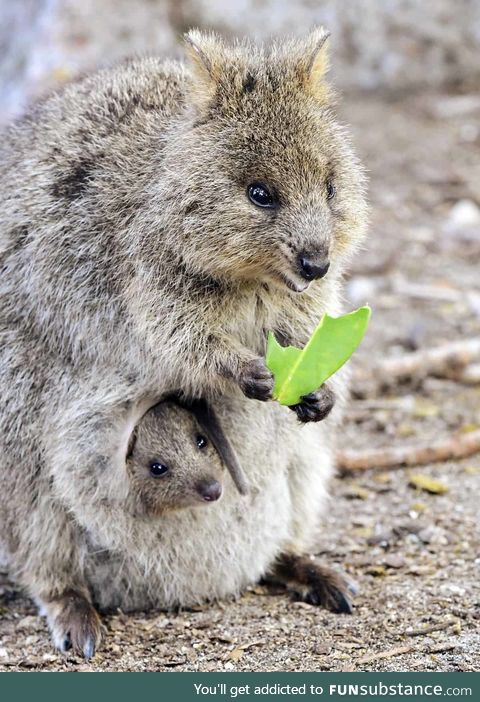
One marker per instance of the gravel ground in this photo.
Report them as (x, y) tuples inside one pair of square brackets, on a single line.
[(414, 555)]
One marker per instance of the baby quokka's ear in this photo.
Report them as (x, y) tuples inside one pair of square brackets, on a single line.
[(206, 55), (312, 62)]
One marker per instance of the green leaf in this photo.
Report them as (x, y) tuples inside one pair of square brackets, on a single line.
[(298, 372)]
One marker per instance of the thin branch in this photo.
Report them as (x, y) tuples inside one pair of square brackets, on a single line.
[(371, 658), (469, 375), (435, 361), (453, 447), (430, 629)]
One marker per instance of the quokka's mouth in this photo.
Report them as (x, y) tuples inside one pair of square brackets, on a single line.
[(287, 277), (296, 285)]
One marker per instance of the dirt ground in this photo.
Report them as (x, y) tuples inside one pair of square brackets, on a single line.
[(415, 556)]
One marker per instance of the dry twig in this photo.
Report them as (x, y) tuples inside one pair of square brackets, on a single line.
[(399, 651), (432, 628), (469, 375), (441, 648), (435, 361), (457, 446)]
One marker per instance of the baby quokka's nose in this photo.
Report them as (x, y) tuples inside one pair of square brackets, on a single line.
[(313, 266), (209, 490)]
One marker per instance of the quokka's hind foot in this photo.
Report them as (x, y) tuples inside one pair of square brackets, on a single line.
[(314, 583), (73, 622)]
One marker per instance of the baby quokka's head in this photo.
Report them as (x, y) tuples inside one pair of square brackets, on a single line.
[(172, 464), (266, 183)]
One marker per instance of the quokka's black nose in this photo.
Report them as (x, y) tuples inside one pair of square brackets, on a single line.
[(209, 490), (312, 267)]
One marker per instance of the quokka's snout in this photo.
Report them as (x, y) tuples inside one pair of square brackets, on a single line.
[(209, 490), (305, 267), (313, 265)]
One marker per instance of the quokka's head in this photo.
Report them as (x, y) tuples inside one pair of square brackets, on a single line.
[(264, 176), (172, 464)]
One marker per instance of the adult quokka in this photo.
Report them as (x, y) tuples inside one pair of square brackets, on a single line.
[(156, 221)]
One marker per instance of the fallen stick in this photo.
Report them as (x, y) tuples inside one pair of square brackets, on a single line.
[(430, 629), (399, 651), (421, 363), (469, 375), (456, 446), (441, 648)]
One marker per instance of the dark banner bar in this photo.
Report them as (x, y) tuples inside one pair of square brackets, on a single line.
[(213, 687)]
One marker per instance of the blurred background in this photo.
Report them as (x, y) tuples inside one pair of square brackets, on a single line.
[(409, 78), (392, 46)]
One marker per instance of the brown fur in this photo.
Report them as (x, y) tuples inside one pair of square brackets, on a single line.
[(313, 583), (73, 621)]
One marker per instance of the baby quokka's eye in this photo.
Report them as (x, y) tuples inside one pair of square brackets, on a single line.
[(259, 194), (331, 189), (157, 470), (201, 441)]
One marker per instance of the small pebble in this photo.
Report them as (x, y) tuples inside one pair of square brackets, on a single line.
[(452, 589), (465, 213), (381, 539), (49, 657), (394, 560)]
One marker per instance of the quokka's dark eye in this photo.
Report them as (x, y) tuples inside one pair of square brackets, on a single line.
[(260, 195), (331, 190), (158, 469), (201, 441)]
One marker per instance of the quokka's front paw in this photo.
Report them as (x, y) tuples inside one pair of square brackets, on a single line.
[(256, 381), (315, 406), (73, 623)]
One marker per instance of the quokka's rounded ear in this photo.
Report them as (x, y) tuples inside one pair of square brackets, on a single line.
[(314, 62), (204, 55)]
